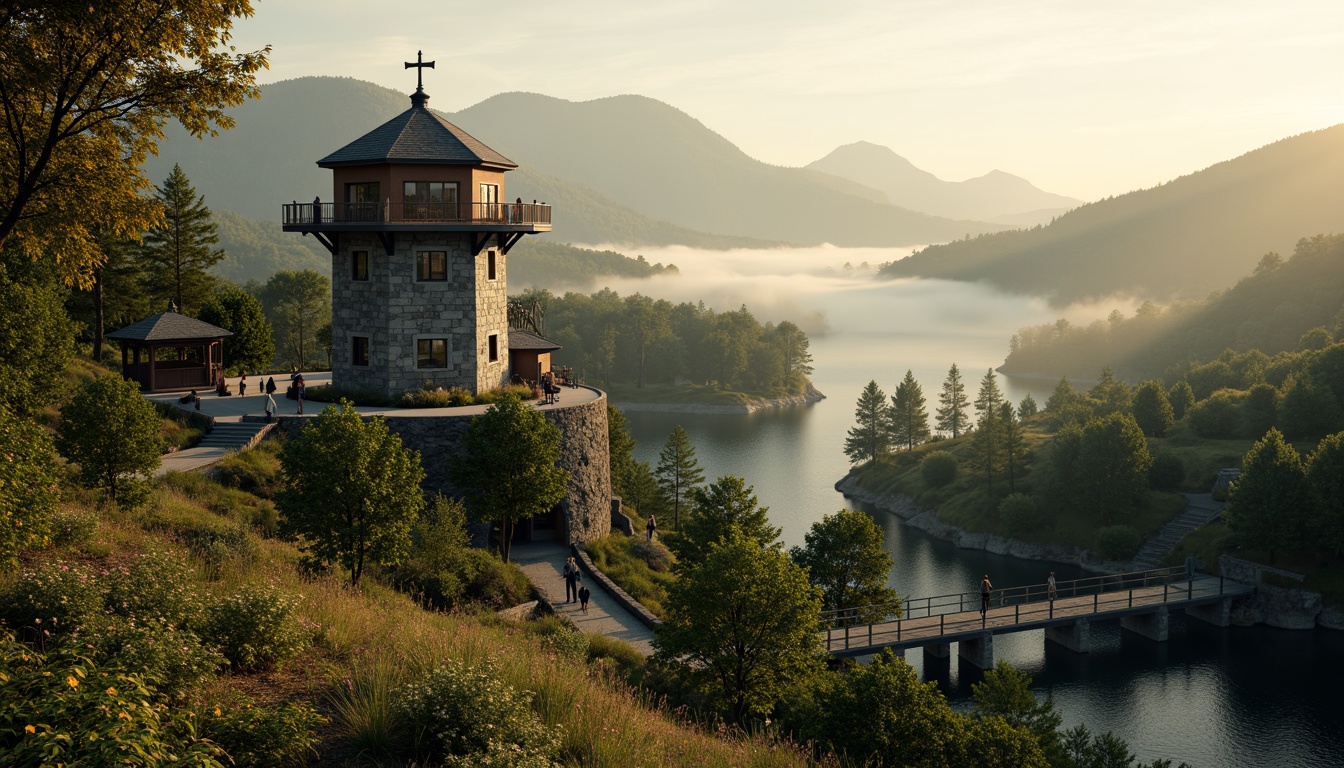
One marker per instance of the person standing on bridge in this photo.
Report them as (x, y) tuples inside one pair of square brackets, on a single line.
[(1050, 587), (985, 589)]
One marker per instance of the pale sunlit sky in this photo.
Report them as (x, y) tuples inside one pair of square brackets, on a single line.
[(1087, 99)]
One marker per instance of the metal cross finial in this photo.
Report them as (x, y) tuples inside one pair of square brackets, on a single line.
[(420, 65)]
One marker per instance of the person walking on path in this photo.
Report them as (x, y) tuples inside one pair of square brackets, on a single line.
[(270, 407), (650, 527), (270, 386), (571, 580), (242, 384), (299, 391), (985, 588), (584, 594), (1050, 587)]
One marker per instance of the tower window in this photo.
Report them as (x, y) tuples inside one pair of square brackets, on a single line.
[(430, 200), (493, 347), (431, 353), (431, 265), (359, 350), (490, 264), (359, 265)]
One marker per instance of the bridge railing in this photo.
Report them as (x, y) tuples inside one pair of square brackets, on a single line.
[(960, 602)]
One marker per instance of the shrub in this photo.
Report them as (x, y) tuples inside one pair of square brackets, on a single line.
[(1019, 514), (470, 716), (256, 471), (55, 596), (60, 702), (1167, 472), (938, 469), (619, 656), (436, 397), (156, 585), (255, 627), (216, 544), (653, 553), (559, 637), (1116, 542), (254, 736), (73, 528), (493, 582), (173, 659)]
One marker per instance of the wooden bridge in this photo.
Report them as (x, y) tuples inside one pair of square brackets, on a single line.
[(1141, 601)]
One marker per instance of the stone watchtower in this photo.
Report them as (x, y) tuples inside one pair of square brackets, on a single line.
[(418, 230)]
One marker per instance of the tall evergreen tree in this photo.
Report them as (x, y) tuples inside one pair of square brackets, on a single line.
[(1014, 447), (1111, 394), (1066, 405), (1266, 506), (908, 417), (722, 507), (621, 448), (952, 403), (178, 251), (989, 429), (679, 474), (1111, 470), (869, 438), (1152, 409)]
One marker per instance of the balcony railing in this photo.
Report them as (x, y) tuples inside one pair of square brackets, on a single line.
[(317, 214)]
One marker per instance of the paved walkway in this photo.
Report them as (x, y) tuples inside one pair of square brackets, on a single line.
[(236, 409), (542, 561)]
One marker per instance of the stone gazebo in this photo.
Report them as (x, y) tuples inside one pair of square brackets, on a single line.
[(198, 346)]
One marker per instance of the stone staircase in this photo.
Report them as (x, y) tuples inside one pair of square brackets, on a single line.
[(235, 435), (1200, 508)]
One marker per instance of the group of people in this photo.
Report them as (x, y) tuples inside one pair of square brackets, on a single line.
[(297, 390), (574, 586), (986, 588)]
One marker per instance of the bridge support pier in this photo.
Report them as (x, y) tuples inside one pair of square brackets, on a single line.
[(1218, 614), (937, 651), (1154, 626), (1076, 636), (978, 651)]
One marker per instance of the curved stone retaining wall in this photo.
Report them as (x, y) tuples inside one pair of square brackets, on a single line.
[(583, 452)]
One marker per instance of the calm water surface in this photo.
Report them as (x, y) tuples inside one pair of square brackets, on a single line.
[(1211, 697)]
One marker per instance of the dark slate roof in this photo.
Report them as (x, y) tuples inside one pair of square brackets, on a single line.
[(417, 136), (529, 340), (169, 326)]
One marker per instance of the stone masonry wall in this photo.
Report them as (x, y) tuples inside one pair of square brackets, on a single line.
[(583, 452), (392, 309)]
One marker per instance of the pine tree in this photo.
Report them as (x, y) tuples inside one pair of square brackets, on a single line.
[(869, 438), (679, 473), (1014, 447), (1152, 409), (1027, 408), (952, 404), (989, 429), (1182, 398), (177, 253), (908, 420)]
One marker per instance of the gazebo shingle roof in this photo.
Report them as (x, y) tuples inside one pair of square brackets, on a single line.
[(417, 136), (169, 326), (528, 340)]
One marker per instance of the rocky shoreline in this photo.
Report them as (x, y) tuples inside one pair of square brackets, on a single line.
[(1281, 607), (903, 506), (812, 395)]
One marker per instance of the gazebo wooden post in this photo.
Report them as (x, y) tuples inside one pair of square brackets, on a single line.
[(151, 367)]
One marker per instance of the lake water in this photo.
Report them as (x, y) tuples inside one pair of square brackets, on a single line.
[(1211, 697)]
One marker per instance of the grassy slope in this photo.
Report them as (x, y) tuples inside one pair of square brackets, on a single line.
[(367, 642)]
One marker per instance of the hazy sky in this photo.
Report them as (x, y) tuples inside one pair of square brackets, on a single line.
[(1082, 98)]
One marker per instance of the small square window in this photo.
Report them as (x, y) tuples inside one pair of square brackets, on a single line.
[(359, 350), (431, 353), (490, 264), (494, 347), (431, 265), (359, 265)]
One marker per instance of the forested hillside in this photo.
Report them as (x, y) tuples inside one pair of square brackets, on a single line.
[(1272, 310), (1178, 240)]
